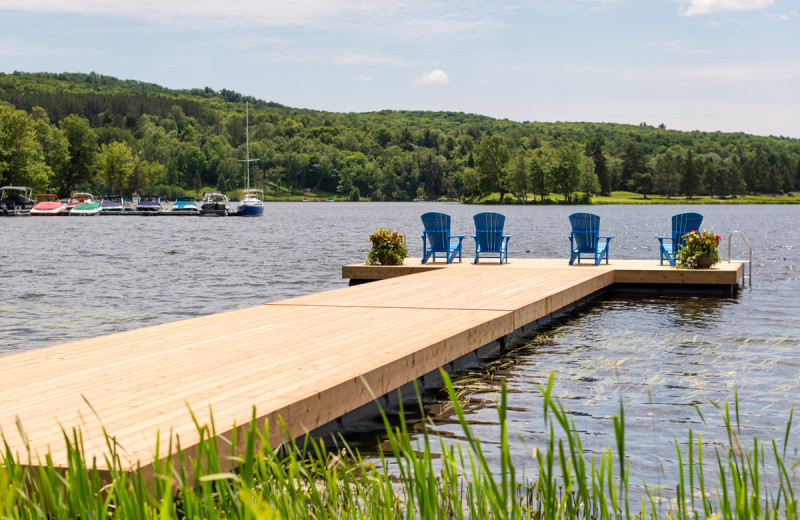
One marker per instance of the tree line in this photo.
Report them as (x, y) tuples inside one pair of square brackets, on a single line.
[(88, 132)]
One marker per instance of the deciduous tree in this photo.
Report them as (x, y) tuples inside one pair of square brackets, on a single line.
[(117, 164), (82, 154), (564, 170), (518, 178), (493, 157), (21, 156)]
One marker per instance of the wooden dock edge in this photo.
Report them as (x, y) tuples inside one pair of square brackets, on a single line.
[(631, 277), (432, 380)]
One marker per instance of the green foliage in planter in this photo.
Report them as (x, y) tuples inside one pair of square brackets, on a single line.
[(699, 251), (388, 248)]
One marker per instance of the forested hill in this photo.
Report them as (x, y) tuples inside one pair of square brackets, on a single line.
[(69, 131)]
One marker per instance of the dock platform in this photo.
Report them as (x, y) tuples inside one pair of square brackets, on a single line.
[(301, 359)]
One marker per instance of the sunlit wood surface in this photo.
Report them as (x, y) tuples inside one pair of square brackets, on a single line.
[(301, 359)]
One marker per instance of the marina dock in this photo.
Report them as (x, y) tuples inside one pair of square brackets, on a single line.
[(304, 360)]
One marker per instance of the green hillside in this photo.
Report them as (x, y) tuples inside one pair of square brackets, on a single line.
[(70, 131)]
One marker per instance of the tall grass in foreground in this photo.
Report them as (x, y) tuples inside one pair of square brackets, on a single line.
[(305, 480)]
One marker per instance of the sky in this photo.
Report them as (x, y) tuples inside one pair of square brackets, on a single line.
[(710, 65)]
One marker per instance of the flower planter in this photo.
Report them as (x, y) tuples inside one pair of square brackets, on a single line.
[(700, 250), (388, 248)]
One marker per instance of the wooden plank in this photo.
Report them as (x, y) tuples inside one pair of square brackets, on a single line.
[(302, 360)]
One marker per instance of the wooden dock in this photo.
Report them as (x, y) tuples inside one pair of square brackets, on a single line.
[(301, 359)]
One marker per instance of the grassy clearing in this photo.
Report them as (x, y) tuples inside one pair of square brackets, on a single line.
[(627, 197), (742, 479)]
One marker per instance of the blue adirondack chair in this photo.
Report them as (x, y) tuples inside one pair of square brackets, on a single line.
[(682, 223), (437, 238), (585, 239), (489, 237)]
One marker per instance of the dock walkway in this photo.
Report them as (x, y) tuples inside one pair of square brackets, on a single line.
[(301, 359)]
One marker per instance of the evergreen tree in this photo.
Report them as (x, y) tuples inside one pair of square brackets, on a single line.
[(666, 176), (797, 176), (690, 181), (594, 149), (634, 160)]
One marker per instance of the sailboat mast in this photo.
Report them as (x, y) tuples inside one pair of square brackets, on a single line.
[(247, 131)]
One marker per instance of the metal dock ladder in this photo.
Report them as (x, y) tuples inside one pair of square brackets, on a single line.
[(748, 262)]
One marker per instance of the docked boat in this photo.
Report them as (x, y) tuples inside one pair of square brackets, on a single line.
[(77, 198), (252, 204), (185, 206), (86, 207), (16, 201), (48, 205), (215, 204), (112, 205), (148, 205)]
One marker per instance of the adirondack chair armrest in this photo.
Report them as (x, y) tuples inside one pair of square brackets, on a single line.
[(458, 236)]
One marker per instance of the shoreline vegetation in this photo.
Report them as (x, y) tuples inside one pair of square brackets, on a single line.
[(426, 477), (617, 197), (67, 132)]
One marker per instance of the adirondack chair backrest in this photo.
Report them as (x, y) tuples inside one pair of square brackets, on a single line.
[(437, 228), (585, 229), (682, 223), (489, 231)]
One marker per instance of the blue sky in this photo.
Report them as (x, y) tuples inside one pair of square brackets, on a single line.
[(729, 65)]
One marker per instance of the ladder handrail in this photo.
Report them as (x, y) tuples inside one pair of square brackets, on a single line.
[(749, 248)]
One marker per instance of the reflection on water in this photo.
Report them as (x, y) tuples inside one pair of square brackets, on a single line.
[(66, 279)]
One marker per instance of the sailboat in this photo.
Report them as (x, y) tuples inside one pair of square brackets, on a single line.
[(252, 204)]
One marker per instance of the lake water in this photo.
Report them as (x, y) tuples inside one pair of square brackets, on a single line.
[(70, 278)]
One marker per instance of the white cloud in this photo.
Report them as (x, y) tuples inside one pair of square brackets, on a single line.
[(362, 78), (701, 7), (410, 20), (268, 12), (434, 77)]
